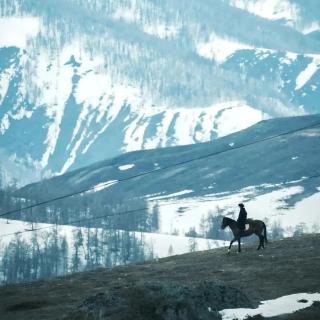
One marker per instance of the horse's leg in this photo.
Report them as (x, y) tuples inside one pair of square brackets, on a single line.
[(239, 244), (260, 241), (260, 236), (231, 242)]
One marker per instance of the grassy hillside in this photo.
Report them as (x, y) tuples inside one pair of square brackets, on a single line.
[(285, 267)]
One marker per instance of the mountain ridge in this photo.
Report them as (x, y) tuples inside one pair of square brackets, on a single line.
[(83, 81)]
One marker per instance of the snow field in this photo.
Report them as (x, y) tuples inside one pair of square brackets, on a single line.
[(180, 215)]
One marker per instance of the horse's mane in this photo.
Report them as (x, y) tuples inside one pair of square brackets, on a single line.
[(229, 219)]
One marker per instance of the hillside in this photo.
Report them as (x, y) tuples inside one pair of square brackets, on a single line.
[(224, 172), (286, 267), (277, 178)]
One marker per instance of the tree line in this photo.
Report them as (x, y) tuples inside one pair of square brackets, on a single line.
[(55, 253)]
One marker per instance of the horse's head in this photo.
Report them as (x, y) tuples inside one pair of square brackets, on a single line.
[(224, 223)]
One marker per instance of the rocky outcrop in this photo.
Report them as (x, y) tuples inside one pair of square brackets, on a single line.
[(163, 300)]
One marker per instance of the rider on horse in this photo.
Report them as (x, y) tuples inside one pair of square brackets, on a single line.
[(256, 227), (241, 222)]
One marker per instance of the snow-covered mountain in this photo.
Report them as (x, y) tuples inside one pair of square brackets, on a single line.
[(278, 178), (81, 81)]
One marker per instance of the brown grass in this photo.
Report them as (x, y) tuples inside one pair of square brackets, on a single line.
[(285, 267)]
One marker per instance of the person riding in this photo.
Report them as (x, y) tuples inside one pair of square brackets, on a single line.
[(242, 217)]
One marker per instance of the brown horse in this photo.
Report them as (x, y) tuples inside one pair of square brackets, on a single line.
[(256, 227)]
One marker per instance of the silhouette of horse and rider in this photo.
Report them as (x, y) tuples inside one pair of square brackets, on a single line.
[(239, 230)]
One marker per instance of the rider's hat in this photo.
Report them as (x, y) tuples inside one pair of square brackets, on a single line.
[(241, 205)]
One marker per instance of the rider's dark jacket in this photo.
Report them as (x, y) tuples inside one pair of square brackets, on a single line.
[(242, 219)]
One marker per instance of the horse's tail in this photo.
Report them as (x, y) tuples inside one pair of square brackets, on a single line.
[(265, 232)]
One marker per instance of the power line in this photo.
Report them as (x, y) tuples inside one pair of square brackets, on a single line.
[(101, 185), (118, 214), (76, 221), (90, 219)]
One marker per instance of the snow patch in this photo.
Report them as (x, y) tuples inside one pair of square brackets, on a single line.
[(16, 31), (166, 245), (162, 31), (126, 167), (269, 9), (231, 120), (126, 14), (272, 308), (219, 49), (4, 124), (312, 27), (279, 10), (91, 88), (5, 78), (171, 195), (102, 185), (307, 73), (288, 59)]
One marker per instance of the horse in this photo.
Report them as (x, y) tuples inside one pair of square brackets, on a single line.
[(256, 227)]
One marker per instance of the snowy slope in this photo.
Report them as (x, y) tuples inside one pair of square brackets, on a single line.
[(267, 203), (277, 178), (81, 81)]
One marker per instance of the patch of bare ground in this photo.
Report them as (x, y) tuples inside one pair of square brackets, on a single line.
[(288, 266)]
